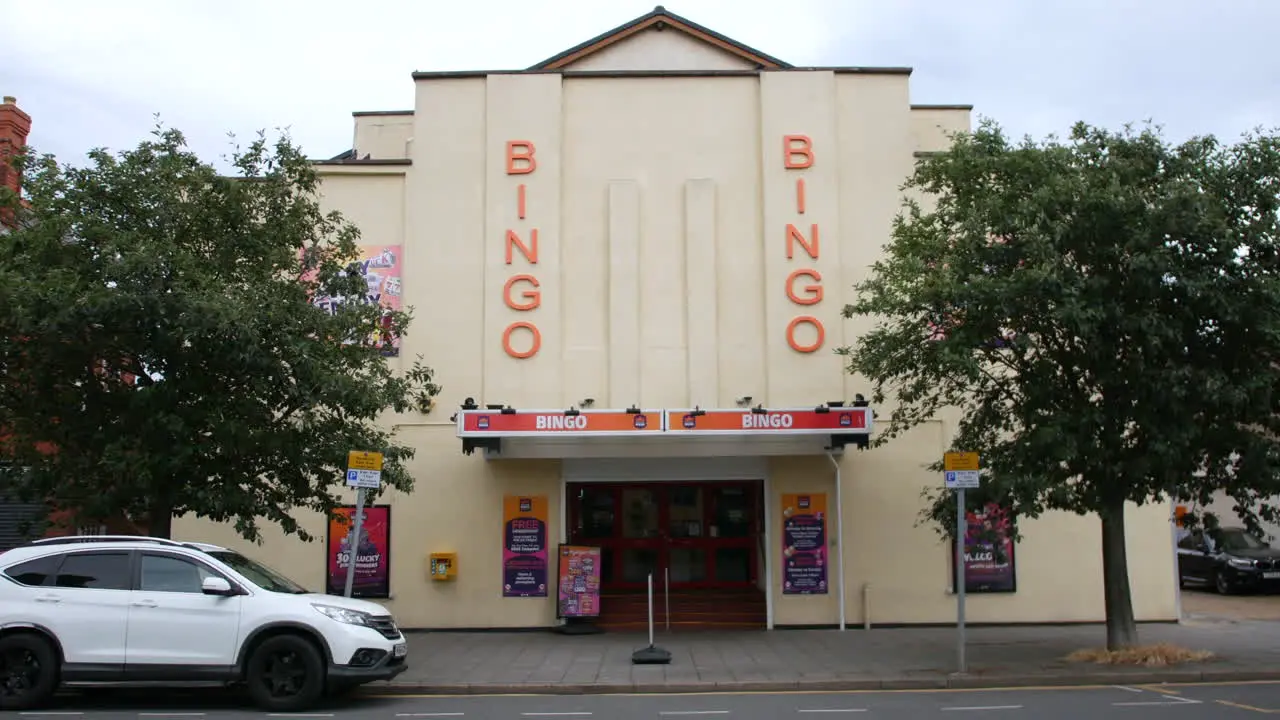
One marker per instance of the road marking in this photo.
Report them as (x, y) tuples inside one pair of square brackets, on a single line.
[(1242, 706), (986, 707), (1127, 689), (917, 691), (1175, 701), (694, 712), (833, 710)]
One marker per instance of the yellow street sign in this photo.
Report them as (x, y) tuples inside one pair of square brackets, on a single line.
[(360, 460), (960, 461)]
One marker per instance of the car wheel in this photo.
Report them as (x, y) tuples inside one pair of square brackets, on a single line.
[(28, 671), (1221, 585), (285, 674)]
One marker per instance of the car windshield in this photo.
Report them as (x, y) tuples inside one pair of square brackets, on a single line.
[(259, 574), (1240, 540)]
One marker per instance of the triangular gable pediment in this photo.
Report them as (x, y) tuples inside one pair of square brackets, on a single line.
[(661, 40)]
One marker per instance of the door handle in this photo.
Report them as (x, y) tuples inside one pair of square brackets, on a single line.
[(144, 604), (49, 599)]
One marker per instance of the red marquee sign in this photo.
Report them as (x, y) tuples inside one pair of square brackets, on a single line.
[(547, 423), (807, 421)]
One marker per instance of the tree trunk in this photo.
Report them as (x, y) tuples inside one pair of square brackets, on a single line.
[(160, 522), (1122, 630)]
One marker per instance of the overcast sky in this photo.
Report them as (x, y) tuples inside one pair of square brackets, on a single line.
[(93, 73)]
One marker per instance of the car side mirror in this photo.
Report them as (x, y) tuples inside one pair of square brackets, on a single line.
[(217, 586)]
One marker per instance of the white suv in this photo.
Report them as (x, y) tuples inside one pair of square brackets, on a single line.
[(129, 609)]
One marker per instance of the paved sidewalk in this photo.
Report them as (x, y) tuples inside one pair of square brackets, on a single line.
[(544, 662)]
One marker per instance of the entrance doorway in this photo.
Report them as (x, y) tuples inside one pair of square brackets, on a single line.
[(696, 535)]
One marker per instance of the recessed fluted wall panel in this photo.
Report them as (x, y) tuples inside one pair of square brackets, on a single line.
[(624, 294), (702, 324)]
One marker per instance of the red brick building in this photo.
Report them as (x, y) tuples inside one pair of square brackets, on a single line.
[(21, 520)]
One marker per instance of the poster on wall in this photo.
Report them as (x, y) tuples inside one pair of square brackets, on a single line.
[(804, 544), (578, 582), (381, 267), (372, 548), (989, 565), (524, 546)]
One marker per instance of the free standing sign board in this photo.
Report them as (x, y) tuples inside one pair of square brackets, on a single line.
[(578, 582)]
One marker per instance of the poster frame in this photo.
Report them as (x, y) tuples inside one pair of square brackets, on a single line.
[(825, 522), (972, 588), (383, 592), (545, 519)]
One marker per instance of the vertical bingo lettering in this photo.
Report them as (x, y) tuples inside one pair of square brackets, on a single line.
[(803, 285), (522, 292)]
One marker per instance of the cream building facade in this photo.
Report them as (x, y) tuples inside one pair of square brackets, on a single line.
[(665, 220)]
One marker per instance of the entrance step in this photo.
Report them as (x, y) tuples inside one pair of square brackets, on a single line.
[(690, 610)]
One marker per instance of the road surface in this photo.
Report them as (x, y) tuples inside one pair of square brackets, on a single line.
[(1164, 702)]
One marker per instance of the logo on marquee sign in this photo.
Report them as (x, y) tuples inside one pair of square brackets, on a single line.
[(544, 423)]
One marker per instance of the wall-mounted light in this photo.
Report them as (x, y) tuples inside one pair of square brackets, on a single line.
[(634, 410), (744, 401), (508, 410), (822, 409), (494, 406), (859, 401), (759, 409), (698, 412), (469, 404), (586, 402), (572, 411), (835, 403)]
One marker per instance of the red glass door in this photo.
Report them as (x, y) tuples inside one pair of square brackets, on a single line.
[(694, 535)]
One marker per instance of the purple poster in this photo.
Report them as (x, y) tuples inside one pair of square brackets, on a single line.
[(988, 552), (524, 546), (804, 544)]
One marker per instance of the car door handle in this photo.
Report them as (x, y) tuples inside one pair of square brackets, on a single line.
[(49, 599), (143, 604)]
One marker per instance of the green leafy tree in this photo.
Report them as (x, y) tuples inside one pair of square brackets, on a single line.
[(1100, 313), (163, 345)]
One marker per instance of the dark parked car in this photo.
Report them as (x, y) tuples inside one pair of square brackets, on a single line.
[(1229, 559)]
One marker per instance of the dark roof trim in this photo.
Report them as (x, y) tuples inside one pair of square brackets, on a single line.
[(366, 113), (941, 107), (364, 161), (659, 19), (850, 70)]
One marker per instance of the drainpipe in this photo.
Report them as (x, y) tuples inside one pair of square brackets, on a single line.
[(839, 534)]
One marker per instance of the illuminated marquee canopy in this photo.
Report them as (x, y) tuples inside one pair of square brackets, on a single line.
[(566, 433)]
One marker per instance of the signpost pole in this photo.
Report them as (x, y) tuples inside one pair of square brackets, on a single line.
[(353, 547), (961, 472), (364, 471), (960, 581)]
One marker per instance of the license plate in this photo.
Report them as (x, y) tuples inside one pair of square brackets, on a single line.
[(1271, 575), (402, 649)]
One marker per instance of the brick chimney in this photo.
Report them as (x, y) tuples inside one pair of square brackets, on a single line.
[(14, 127)]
